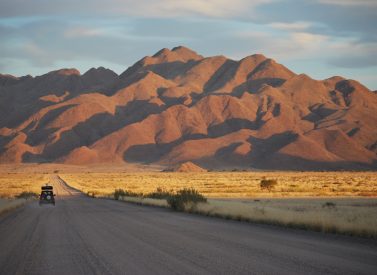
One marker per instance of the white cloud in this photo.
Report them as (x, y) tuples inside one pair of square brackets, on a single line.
[(308, 40), (77, 32), (39, 33), (286, 45), (294, 26), (351, 54), (140, 8), (350, 2), (211, 8)]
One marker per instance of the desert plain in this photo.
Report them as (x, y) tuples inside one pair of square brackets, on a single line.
[(339, 202)]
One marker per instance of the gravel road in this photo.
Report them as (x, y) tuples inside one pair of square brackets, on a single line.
[(81, 235)]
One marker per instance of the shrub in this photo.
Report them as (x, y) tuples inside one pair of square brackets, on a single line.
[(92, 194), (268, 184), (160, 193), (184, 197), (27, 195), (125, 193)]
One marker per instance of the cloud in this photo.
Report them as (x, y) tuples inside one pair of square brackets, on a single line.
[(354, 55), (47, 42), (349, 17), (291, 26), (41, 35), (342, 20), (369, 3), (79, 31), (307, 40), (140, 8), (211, 8)]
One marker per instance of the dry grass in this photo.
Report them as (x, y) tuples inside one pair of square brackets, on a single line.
[(12, 184), (341, 202), (350, 216), (346, 216), (233, 184), (297, 200), (8, 205), (145, 201)]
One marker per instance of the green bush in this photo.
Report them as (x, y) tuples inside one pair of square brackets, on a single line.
[(27, 195), (184, 197), (125, 193), (268, 184)]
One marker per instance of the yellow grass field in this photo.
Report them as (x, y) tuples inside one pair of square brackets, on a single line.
[(12, 184), (352, 216), (233, 184), (342, 202), (339, 202)]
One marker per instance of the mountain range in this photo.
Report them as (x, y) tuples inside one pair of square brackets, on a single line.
[(178, 106)]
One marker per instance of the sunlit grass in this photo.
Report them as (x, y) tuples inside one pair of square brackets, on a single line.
[(347, 216), (339, 202), (233, 184), (13, 184), (351, 216), (342, 202)]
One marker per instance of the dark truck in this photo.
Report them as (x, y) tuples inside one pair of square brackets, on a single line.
[(47, 195)]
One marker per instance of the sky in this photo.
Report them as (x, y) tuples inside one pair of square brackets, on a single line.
[(321, 38)]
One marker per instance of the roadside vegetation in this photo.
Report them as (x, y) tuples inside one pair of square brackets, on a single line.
[(185, 200), (27, 195), (352, 216), (341, 202), (21, 184), (182, 200), (338, 202), (356, 217), (17, 188), (10, 204), (233, 184)]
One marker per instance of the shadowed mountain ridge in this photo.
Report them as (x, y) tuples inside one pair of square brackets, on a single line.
[(177, 106)]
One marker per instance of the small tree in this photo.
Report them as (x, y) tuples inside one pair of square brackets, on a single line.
[(268, 184)]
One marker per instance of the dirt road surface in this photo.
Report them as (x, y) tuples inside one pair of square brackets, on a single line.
[(81, 235)]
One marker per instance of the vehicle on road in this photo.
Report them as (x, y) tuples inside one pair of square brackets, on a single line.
[(47, 195)]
